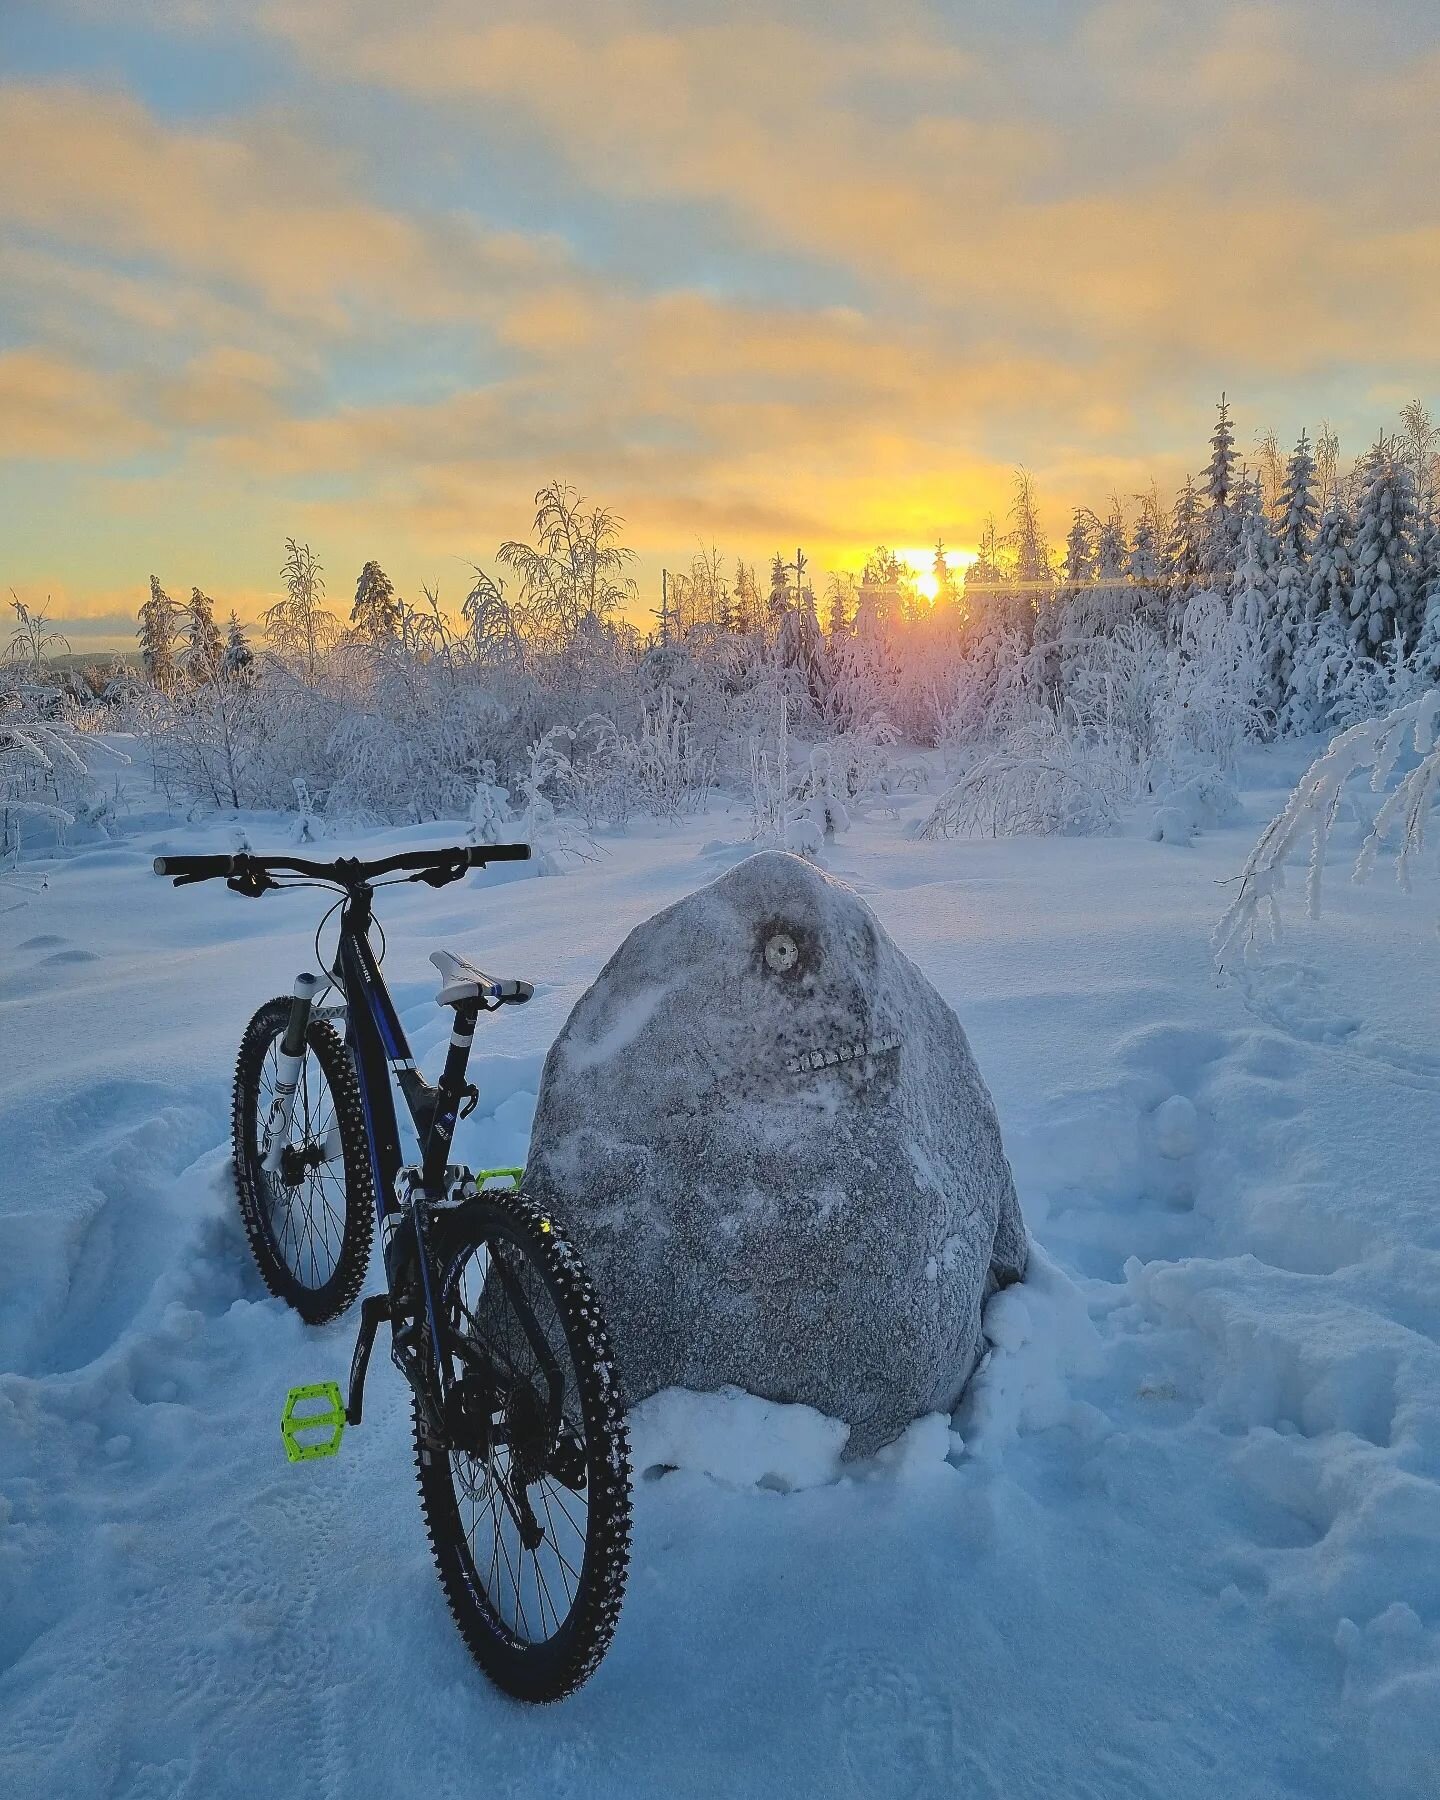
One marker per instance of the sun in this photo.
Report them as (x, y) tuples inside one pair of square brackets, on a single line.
[(921, 564)]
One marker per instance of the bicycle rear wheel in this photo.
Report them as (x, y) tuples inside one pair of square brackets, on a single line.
[(526, 1490)]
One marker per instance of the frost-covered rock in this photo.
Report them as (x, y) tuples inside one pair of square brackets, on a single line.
[(768, 1135)]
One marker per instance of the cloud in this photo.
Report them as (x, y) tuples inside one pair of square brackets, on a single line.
[(50, 408), (1165, 187), (274, 214), (698, 418), (921, 255)]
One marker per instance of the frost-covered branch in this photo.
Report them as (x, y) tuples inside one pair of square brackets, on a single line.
[(1312, 808)]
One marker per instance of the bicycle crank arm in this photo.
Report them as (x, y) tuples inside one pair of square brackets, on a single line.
[(374, 1310)]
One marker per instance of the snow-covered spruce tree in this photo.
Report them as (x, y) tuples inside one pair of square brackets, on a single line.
[(201, 645), (1031, 574), (1324, 662), (1383, 600), (1297, 509), (1143, 564), (1079, 564), (840, 608), (237, 659), (1254, 601), (1296, 529), (1180, 564), (375, 613), (1427, 648), (1115, 597), (944, 602), (158, 631), (1219, 524)]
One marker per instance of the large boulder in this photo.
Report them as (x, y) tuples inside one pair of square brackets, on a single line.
[(767, 1134)]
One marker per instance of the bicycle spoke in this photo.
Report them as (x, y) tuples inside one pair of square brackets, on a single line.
[(501, 1306)]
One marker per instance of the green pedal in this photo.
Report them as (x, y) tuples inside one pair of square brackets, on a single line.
[(510, 1175), (331, 1420)]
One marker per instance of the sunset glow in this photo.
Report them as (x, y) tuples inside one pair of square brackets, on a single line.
[(921, 563), (752, 277)]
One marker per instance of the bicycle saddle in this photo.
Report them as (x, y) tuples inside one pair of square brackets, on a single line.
[(460, 980)]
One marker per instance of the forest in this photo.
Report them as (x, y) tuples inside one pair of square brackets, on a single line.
[(1277, 596)]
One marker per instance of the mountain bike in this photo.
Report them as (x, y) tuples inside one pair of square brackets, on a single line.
[(520, 1438)]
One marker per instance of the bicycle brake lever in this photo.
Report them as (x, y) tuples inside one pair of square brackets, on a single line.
[(438, 878), (251, 882)]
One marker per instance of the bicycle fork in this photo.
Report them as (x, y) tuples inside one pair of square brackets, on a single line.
[(291, 1059)]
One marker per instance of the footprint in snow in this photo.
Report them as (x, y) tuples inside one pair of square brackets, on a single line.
[(895, 1728)]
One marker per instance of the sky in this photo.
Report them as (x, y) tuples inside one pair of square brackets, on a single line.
[(751, 275)]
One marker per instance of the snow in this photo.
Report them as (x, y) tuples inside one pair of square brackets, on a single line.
[(1182, 1538)]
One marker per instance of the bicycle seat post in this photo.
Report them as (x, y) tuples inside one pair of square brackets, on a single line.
[(450, 1094)]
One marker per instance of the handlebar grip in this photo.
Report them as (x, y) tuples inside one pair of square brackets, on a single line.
[(480, 854), (196, 868)]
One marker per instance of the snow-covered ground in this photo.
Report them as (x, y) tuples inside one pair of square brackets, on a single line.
[(1184, 1538)]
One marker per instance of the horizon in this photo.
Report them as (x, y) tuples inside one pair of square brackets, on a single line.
[(751, 279)]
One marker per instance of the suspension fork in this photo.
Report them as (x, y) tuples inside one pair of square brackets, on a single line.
[(276, 1133)]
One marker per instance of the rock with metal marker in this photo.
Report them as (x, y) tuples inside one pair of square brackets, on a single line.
[(769, 1138)]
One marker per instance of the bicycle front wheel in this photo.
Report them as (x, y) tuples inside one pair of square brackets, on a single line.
[(311, 1220), (525, 1471)]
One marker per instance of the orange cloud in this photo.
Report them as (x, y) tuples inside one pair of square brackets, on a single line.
[(52, 408), (264, 209), (1221, 244)]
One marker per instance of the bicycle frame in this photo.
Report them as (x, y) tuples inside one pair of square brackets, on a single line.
[(382, 1058)]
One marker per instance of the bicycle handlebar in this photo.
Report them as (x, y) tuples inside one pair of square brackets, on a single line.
[(344, 869)]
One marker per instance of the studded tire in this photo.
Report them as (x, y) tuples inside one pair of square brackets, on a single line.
[(318, 1300), (555, 1668)]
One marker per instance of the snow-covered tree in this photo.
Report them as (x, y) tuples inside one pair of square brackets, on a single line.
[(1383, 600), (158, 631), (841, 608), (1327, 465), (1323, 662), (1026, 541), (487, 613), (779, 598), (299, 626), (745, 615), (1181, 566), (1270, 468), (237, 658), (1294, 532), (1254, 596), (1375, 747), (1079, 564), (1296, 509), (375, 613), (1420, 447), (201, 646), (1142, 566), (1219, 526), (573, 572)]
